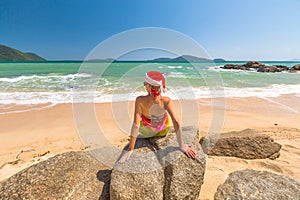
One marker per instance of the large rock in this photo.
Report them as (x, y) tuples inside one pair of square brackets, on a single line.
[(296, 67), (251, 184), (183, 176), (246, 144), (275, 68), (259, 67), (71, 175), (254, 64), (157, 169), (140, 177), (247, 66), (231, 66)]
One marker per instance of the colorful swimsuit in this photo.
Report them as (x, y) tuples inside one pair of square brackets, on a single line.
[(148, 128)]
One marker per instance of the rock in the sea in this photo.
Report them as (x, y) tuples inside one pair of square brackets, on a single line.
[(247, 66), (296, 67), (157, 169), (254, 64), (71, 175), (231, 66), (282, 67), (259, 67), (275, 68), (246, 144), (251, 184)]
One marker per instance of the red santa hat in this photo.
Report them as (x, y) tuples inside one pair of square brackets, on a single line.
[(155, 78)]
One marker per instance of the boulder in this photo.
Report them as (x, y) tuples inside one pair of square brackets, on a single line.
[(157, 169), (254, 64), (282, 67), (71, 175), (296, 67), (292, 70), (260, 67), (183, 176), (233, 66), (246, 66), (251, 184), (140, 177), (275, 68), (243, 68), (230, 66), (246, 144)]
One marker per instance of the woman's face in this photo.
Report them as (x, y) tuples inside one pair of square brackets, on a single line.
[(156, 88), (153, 90)]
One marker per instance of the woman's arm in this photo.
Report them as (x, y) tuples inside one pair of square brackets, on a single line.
[(134, 130), (184, 147)]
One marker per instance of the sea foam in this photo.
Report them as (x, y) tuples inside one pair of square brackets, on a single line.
[(91, 96)]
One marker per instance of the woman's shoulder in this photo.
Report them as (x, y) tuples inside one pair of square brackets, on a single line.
[(141, 99), (144, 99), (166, 100)]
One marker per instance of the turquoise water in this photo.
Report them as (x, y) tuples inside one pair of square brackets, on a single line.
[(40, 82)]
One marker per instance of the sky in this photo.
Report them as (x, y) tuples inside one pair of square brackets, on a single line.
[(229, 29)]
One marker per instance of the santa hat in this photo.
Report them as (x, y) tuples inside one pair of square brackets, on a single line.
[(155, 78)]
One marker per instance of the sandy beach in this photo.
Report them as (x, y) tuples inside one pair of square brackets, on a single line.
[(43, 131)]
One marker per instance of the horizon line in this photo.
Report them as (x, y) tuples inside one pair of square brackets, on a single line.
[(106, 60)]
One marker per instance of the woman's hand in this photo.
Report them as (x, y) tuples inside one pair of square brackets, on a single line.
[(188, 151), (126, 156)]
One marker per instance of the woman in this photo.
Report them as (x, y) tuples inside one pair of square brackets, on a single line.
[(153, 114)]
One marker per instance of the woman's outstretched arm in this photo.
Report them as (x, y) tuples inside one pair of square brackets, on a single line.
[(134, 130), (184, 147)]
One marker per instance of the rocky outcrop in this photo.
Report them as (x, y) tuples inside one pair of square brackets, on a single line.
[(246, 144), (157, 169), (71, 175), (259, 67), (251, 184), (247, 66)]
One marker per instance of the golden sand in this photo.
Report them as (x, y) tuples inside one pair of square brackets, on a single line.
[(42, 131)]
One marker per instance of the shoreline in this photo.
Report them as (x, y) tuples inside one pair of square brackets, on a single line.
[(36, 135)]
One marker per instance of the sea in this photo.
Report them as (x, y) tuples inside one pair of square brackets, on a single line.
[(54, 82)]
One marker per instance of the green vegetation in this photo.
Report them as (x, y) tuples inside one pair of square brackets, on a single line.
[(10, 54)]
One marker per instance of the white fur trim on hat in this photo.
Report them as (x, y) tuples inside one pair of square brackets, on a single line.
[(152, 81)]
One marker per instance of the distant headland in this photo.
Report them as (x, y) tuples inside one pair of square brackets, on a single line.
[(11, 54), (187, 58), (183, 58)]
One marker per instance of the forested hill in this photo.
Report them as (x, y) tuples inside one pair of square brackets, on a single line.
[(10, 54)]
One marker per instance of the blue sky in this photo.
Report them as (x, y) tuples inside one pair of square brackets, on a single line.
[(231, 29)]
